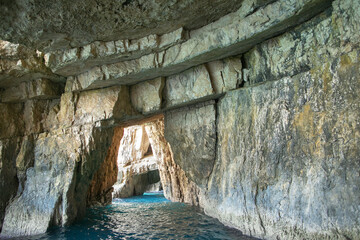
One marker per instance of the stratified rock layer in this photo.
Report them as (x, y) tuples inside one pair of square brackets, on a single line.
[(56, 25)]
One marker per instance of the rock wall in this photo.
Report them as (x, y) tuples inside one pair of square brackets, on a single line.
[(101, 187), (287, 144), (51, 147)]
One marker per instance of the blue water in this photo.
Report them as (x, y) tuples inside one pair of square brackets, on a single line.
[(150, 216)]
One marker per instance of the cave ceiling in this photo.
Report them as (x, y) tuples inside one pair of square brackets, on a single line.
[(52, 24)]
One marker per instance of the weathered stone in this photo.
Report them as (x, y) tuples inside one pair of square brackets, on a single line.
[(187, 86), (36, 89), (137, 166), (24, 160), (225, 74), (95, 105), (231, 39), (56, 187), (101, 187), (62, 25), (287, 162), (191, 132), (8, 179), (35, 115), (78, 60), (147, 96), (307, 46), (12, 123), (14, 51), (19, 64), (177, 187)]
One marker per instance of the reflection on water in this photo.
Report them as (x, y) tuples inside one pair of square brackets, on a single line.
[(150, 216)]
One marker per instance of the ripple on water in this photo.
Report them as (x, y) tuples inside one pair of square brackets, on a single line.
[(150, 216)]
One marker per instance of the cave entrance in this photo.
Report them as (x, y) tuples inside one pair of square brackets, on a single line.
[(138, 166), (138, 161)]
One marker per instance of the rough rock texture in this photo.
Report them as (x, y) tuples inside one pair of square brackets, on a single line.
[(191, 132), (55, 188), (101, 187), (225, 75), (277, 158), (137, 166), (78, 60), (288, 156), (146, 97), (36, 89), (92, 106), (187, 86), (177, 187), (8, 179), (251, 27), (109, 20), (18, 64)]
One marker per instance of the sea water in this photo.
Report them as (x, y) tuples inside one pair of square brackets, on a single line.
[(150, 216)]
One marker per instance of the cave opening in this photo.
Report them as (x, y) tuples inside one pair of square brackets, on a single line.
[(138, 166), (134, 163)]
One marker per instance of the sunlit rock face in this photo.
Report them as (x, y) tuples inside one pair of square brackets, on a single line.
[(176, 184), (253, 115), (138, 167)]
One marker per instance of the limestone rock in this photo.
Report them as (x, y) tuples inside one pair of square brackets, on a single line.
[(137, 166), (55, 189), (231, 39), (37, 89), (12, 124), (78, 60), (288, 154), (177, 187), (225, 74), (191, 132), (307, 46), (95, 105), (63, 25), (187, 86), (8, 179), (100, 190), (19, 64), (35, 115), (147, 96)]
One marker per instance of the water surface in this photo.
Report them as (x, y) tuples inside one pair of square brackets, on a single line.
[(150, 216)]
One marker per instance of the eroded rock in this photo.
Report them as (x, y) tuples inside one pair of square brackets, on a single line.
[(231, 39), (37, 89), (101, 188), (78, 60), (55, 189), (280, 161), (19, 64), (187, 86), (191, 132), (176, 185), (63, 25), (138, 168), (146, 97)]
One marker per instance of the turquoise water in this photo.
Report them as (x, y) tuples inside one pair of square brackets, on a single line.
[(150, 216)]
